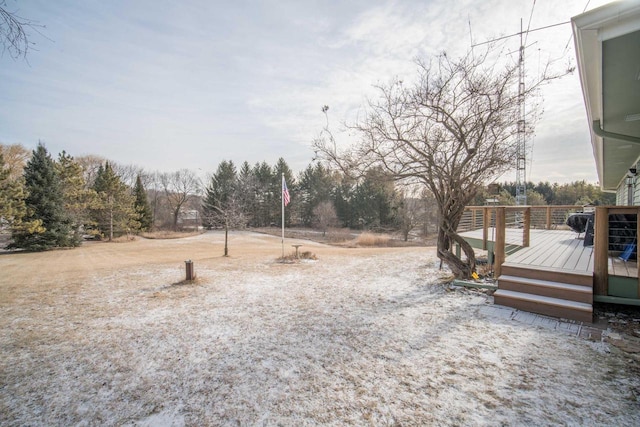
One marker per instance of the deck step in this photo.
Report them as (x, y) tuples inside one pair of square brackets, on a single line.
[(546, 288), (548, 273), (549, 306)]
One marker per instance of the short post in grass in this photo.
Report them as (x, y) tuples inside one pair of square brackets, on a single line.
[(191, 275)]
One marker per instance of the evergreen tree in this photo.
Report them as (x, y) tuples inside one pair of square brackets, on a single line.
[(222, 188), (12, 204), (45, 205), (247, 187), (316, 185), (263, 176), (114, 211), (221, 206), (142, 207), (343, 196), (78, 199)]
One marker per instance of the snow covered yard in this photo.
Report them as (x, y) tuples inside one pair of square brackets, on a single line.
[(359, 337)]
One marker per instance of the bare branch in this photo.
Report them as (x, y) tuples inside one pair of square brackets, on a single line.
[(453, 130), (13, 32)]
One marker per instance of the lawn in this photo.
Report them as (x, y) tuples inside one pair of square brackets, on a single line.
[(108, 334)]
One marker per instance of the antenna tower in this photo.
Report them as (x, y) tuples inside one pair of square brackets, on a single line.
[(521, 142), (521, 146)]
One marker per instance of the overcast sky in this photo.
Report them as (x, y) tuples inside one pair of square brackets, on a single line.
[(167, 85)]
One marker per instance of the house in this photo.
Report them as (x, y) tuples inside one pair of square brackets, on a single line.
[(544, 269), (607, 42)]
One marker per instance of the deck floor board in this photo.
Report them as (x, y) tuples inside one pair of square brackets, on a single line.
[(559, 249)]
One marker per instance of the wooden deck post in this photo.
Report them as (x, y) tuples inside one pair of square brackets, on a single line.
[(526, 227), (498, 247), (548, 217), (601, 252), (486, 219), (473, 219)]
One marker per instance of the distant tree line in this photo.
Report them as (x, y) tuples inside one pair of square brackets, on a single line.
[(544, 193), (320, 197), (51, 203), (47, 203)]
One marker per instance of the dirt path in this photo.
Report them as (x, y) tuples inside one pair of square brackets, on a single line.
[(104, 334)]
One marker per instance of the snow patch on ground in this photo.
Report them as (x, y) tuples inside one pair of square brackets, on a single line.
[(366, 340)]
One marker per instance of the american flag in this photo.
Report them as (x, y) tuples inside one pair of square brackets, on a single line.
[(285, 192)]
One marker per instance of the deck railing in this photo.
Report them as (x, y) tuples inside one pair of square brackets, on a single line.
[(615, 232), (522, 218)]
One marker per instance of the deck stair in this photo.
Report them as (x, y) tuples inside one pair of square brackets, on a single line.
[(545, 290)]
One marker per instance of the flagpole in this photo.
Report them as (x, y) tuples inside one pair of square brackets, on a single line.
[(282, 197)]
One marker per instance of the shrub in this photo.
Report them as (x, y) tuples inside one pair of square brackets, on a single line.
[(370, 239), (337, 235)]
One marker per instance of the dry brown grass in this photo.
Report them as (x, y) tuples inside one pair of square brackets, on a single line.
[(370, 239), (112, 335), (168, 234), (338, 235), (124, 238), (291, 258)]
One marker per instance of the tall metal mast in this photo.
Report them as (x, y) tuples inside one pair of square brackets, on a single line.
[(521, 148), (521, 142)]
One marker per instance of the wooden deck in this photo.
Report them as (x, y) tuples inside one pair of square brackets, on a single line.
[(557, 249)]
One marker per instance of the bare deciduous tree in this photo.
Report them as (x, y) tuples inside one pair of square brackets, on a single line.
[(128, 173), (452, 130), (325, 216), (13, 32), (90, 165), (230, 215), (15, 159), (179, 188), (409, 215)]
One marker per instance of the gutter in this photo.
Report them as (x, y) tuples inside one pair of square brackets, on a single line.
[(597, 129)]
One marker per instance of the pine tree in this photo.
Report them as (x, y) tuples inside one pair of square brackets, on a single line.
[(222, 188), (114, 211), (78, 199), (142, 206), (247, 187), (221, 205), (12, 206), (316, 184), (50, 226), (263, 176)]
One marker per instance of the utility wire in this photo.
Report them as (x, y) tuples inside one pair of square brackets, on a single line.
[(521, 32), (566, 46), (529, 24)]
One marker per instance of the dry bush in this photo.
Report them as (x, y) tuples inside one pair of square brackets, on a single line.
[(308, 255), (124, 238), (338, 235), (168, 234), (370, 239), (291, 258)]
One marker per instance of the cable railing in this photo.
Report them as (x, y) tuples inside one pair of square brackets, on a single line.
[(615, 251), (521, 218), (612, 232), (511, 225)]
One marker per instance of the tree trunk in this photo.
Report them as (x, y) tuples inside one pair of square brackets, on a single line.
[(111, 223), (226, 235), (176, 214), (447, 236)]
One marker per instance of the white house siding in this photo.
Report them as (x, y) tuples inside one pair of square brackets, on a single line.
[(622, 193)]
